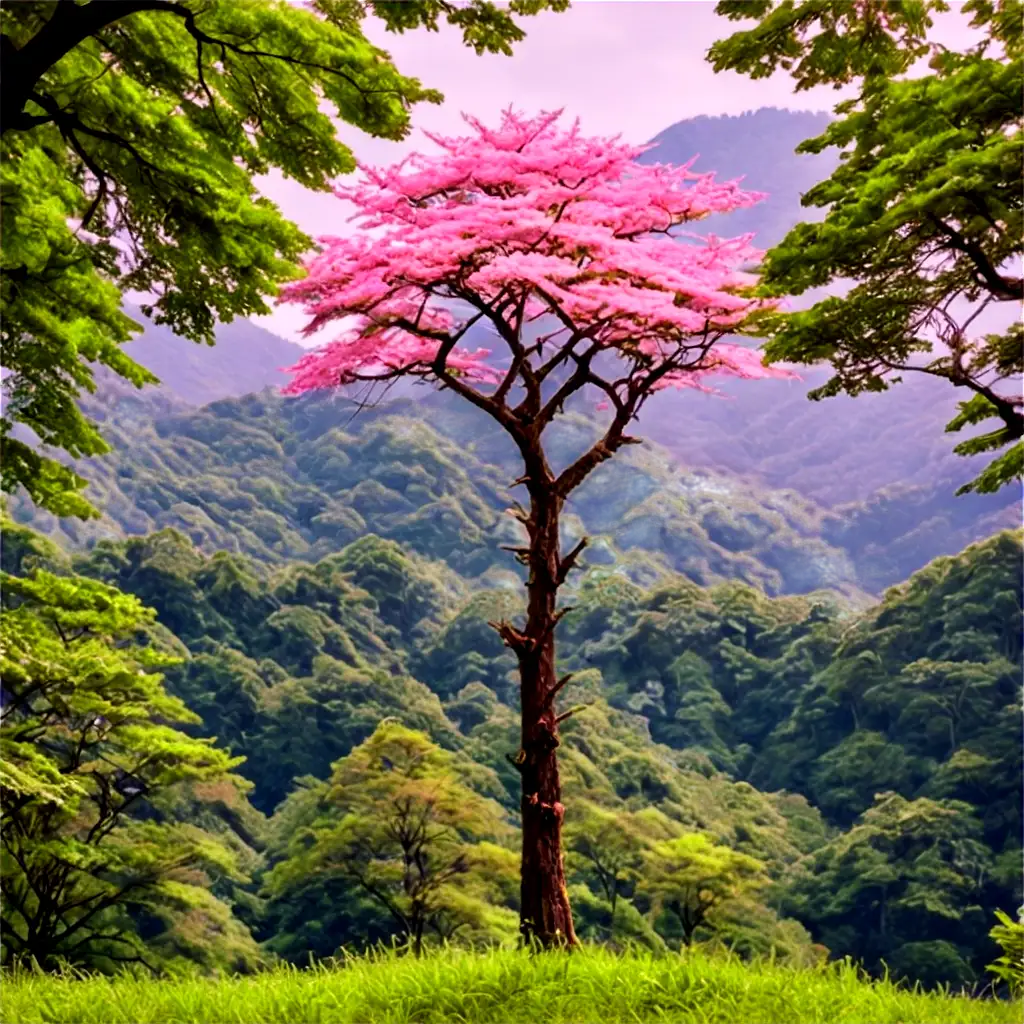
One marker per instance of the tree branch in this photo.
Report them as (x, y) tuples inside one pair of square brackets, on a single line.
[(567, 564), (512, 637), (572, 711), (1010, 289), (554, 691), (71, 24)]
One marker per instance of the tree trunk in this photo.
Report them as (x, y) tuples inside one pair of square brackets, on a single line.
[(545, 915)]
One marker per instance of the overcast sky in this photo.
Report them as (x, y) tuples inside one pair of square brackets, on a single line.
[(623, 66)]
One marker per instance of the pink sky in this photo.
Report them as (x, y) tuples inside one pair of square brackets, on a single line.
[(623, 66)]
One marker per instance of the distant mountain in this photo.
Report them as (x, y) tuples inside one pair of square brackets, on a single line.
[(758, 147), (246, 358), (878, 469), (879, 458)]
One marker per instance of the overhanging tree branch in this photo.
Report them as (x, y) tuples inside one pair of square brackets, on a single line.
[(71, 24)]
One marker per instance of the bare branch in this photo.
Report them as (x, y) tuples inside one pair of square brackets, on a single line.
[(512, 637), (557, 688), (567, 564), (522, 554), (565, 715)]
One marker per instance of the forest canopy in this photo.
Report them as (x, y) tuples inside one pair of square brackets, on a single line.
[(769, 725)]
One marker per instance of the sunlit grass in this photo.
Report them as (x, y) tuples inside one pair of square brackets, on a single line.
[(500, 987)]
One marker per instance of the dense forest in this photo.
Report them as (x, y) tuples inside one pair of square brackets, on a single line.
[(282, 479)]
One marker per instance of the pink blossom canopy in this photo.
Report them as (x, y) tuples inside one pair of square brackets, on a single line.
[(527, 221)]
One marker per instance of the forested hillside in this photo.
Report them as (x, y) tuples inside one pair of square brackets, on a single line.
[(854, 781), (283, 478)]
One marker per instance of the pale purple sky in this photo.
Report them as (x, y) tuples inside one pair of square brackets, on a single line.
[(623, 66)]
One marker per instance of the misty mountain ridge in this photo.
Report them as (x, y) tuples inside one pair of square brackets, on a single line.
[(246, 358), (840, 452), (758, 147)]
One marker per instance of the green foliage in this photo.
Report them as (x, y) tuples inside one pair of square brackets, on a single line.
[(395, 823), (923, 212), (101, 864), (932, 672), (132, 133), (1009, 967), (691, 877), (919, 695), (687, 693), (507, 985), (851, 42), (607, 846), (285, 479), (907, 869), (412, 594)]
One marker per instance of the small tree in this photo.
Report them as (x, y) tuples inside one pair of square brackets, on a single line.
[(562, 246), (607, 845), (396, 823), (92, 770), (691, 876), (1009, 936)]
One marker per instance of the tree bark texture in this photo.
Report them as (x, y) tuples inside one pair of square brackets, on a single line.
[(545, 915)]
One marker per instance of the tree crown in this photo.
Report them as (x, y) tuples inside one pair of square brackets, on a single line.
[(560, 244)]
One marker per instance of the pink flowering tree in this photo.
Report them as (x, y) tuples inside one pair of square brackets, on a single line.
[(565, 248)]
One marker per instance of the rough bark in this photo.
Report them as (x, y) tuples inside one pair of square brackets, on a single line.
[(545, 916), (545, 913)]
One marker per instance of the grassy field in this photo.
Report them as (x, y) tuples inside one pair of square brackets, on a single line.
[(499, 988)]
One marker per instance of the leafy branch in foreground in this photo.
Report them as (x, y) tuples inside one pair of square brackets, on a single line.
[(1009, 967), (923, 214)]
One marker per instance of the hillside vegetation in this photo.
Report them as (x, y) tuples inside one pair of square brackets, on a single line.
[(865, 769), (297, 478)]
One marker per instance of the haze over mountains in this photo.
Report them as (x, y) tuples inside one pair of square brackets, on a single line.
[(873, 478), (759, 148), (246, 358)]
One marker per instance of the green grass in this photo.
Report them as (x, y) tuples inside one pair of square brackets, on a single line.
[(501, 987)]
